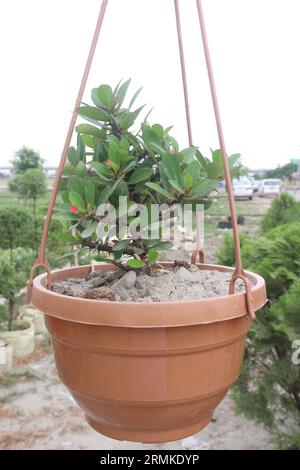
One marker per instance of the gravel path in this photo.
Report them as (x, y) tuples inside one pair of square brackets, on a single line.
[(37, 412)]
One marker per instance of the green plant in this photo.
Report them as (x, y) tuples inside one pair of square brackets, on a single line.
[(268, 390), (32, 185), (14, 269), (284, 208), (15, 227), (146, 167)]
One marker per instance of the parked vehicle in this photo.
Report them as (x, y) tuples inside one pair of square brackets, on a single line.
[(243, 188), (269, 187), (255, 184)]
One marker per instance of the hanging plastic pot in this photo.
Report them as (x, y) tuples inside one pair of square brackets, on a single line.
[(148, 372)]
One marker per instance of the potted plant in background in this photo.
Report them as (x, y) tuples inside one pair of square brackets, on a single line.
[(145, 371), (14, 266)]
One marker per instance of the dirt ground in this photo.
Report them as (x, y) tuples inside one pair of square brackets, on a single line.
[(37, 412)]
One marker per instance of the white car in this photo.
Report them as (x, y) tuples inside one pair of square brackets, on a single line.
[(269, 187), (243, 188)]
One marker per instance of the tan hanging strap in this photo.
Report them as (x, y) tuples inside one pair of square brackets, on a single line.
[(198, 252), (239, 272), (41, 260)]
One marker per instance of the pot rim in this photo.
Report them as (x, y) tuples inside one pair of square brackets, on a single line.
[(143, 314)]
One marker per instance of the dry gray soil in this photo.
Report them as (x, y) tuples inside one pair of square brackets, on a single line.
[(164, 286)]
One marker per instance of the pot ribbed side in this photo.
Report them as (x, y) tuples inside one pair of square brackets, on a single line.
[(148, 384)]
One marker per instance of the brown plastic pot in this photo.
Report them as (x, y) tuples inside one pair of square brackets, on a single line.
[(148, 372)]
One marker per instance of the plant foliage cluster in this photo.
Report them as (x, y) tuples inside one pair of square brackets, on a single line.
[(145, 165)]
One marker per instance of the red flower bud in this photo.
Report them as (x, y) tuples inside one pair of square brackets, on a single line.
[(74, 209), (117, 98)]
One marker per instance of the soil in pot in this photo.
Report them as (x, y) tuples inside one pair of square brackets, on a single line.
[(183, 282)]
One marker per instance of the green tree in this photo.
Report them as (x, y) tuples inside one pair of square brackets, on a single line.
[(25, 159), (284, 171), (16, 228), (32, 185), (13, 276)]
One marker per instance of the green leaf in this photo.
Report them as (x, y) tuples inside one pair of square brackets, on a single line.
[(72, 156), (95, 98), (191, 173), (122, 189), (104, 196), (203, 187), (202, 160), (81, 169), (93, 113), (188, 181), (105, 95), (115, 92), (65, 197), (172, 167), (127, 118), (164, 245), (134, 114), (101, 169), (188, 154), (113, 152), (77, 200), (158, 129), (160, 190), (68, 238), (121, 92), (167, 130), (177, 186), (135, 263), (90, 130), (80, 151), (233, 159), (89, 230), (74, 184), (140, 174), (121, 245), (89, 191), (89, 141), (152, 256), (134, 98)]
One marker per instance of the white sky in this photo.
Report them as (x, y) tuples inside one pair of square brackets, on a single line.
[(255, 47)]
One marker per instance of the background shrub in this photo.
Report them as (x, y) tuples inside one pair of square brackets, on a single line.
[(268, 390)]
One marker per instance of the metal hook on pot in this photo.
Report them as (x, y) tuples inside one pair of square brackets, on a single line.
[(38, 264), (249, 299)]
